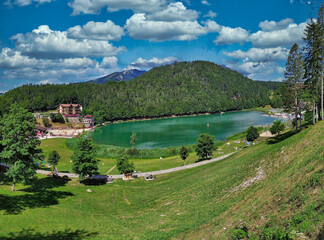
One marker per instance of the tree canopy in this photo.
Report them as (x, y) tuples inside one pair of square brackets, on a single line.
[(84, 158), (19, 144), (252, 134), (205, 145)]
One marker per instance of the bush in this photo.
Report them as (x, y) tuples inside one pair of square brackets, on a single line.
[(132, 152), (277, 127), (45, 121)]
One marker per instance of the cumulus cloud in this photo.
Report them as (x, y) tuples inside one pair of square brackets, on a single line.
[(154, 62), (269, 26), (46, 43), (205, 2), (210, 14), (23, 3), (283, 33), (229, 35), (260, 55), (11, 59), (174, 12), (96, 31), (139, 27), (109, 62), (94, 6)]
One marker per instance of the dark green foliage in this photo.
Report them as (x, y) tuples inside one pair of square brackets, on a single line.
[(19, 144), (272, 86), (252, 134), (84, 157), (308, 116), (176, 89), (184, 153), (277, 127), (240, 232), (124, 166), (57, 118), (53, 158), (205, 145), (45, 121)]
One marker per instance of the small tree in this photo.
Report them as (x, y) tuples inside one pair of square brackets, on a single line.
[(45, 121), (124, 166), (84, 157), (133, 139), (252, 134), (184, 153), (205, 145), (19, 144), (53, 158), (277, 127)]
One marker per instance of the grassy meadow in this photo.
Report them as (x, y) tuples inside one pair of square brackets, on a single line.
[(215, 201)]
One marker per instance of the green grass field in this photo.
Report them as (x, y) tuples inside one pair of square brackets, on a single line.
[(143, 165), (207, 202)]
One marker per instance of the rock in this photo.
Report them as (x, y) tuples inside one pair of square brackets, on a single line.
[(89, 190)]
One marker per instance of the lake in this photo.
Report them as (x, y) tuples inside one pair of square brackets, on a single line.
[(178, 131)]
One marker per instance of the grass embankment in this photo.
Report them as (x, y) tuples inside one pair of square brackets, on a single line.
[(207, 202)]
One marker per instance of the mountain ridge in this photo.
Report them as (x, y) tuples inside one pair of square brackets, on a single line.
[(125, 75)]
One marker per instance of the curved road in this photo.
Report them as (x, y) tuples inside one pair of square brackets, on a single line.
[(73, 175)]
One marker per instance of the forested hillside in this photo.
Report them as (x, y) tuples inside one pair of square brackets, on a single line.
[(176, 89), (270, 85)]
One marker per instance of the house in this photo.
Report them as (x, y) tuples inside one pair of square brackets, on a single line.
[(70, 110), (88, 121)]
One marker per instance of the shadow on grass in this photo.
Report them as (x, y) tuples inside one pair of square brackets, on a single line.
[(280, 137), (38, 195), (67, 234), (202, 159)]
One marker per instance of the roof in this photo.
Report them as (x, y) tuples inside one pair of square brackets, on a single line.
[(88, 116), (70, 104)]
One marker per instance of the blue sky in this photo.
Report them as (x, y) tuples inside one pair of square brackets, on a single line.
[(57, 41)]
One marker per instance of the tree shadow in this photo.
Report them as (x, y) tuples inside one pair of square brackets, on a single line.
[(67, 234), (280, 137), (38, 196), (202, 159)]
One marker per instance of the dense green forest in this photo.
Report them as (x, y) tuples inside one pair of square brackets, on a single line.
[(272, 86), (176, 89)]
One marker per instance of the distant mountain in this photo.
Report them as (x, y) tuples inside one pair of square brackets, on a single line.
[(125, 75), (1, 93)]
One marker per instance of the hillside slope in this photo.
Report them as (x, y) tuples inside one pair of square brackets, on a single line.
[(272, 190), (176, 89)]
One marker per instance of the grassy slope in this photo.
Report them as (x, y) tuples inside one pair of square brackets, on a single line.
[(192, 204)]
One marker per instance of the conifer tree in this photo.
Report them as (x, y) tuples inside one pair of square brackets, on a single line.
[(84, 158), (19, 145), (294, 74)]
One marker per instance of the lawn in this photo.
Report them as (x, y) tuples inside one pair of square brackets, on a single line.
[(204, 202)]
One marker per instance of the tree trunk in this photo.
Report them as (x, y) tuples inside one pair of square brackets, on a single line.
[(322, 96), (13, 187), (314, 114), (296, 112)]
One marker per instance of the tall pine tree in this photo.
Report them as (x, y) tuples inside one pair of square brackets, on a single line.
[(320, 22), (294, 74), (84, 158), (19, 144)]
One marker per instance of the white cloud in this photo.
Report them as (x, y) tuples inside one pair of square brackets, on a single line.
[(10, 59), (205, 2), (154, 62), (96, 31), (269, 26), (229, 35), (23, 3), (174, 12), (210, 14), (109, 62), (139, 27), (277, 34), (260, 55), (94, 6), (46, 43)]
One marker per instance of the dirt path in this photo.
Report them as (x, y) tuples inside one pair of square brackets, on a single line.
[(73, 175)]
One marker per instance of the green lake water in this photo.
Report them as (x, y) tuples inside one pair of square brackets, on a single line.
[(178, 131)]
